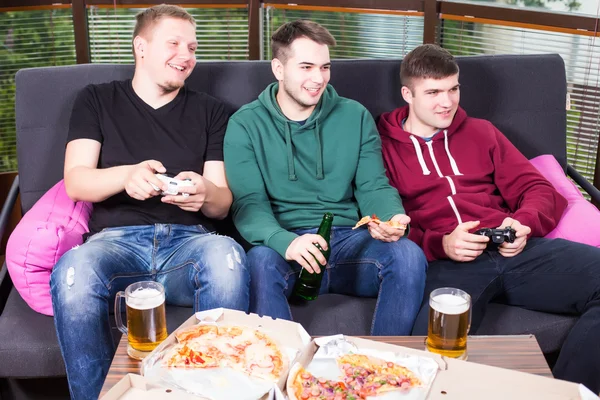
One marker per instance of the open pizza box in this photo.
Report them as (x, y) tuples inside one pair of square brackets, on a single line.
[(134, 387), (460, 380), (290, 336)]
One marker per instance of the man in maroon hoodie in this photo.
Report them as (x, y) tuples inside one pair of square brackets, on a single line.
[(457, 174)]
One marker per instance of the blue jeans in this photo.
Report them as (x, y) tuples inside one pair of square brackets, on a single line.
[(550, 275), (359, 265), (196, 268)]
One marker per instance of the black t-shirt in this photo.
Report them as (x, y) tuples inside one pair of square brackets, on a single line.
[(182, 135)]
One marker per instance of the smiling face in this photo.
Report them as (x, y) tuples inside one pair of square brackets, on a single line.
[(165, 53), (432, 104), (302, 77)]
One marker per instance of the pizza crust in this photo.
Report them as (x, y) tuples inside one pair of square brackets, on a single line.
[(373, 218), (292, 377)]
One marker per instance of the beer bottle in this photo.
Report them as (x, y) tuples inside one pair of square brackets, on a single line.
[(308, 285)]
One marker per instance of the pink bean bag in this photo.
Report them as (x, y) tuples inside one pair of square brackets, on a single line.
[(52, 226)]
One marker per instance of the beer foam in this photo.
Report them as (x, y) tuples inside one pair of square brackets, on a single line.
[(449, 304), (145, 298)]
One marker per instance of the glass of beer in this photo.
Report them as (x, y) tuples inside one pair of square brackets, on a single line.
[(146, 319), (449, 322)]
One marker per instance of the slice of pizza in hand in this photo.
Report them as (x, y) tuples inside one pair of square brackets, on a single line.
[(374, 218), (395, 224), (366, 220)]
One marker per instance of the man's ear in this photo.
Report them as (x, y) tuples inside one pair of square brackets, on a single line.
[(406, 94), (139, 44), (277, 68)]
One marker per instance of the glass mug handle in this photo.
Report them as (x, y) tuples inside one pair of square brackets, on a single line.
[(118, 319)]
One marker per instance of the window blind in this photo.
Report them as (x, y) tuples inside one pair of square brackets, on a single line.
[(582, 62), (28, 39), (358, 35), (222, 33)]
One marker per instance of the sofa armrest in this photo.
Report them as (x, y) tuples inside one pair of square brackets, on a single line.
[(7, 208), (5, 287), (585, 185)]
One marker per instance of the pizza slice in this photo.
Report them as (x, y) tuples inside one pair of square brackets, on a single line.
[(183, 356), (371, 376), (263, 359), (374, 218), (194, 331), (366, 220), (303, 385)]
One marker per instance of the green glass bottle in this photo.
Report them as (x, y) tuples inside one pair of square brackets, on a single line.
[(308, 285)]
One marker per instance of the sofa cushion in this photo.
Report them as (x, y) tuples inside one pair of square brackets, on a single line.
[(52, 226), (335, 313), (550, 330), (581, 220), (29, 347)]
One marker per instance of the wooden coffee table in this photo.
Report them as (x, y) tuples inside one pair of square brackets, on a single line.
[(520, 353)]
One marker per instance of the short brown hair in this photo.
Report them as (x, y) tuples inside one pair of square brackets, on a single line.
[(427, 61), (285, 35), (146, 19)]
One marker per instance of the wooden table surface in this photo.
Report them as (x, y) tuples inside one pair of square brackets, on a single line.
[(521, 353)]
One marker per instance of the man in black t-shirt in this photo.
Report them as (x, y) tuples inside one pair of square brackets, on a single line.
[(120, 135)]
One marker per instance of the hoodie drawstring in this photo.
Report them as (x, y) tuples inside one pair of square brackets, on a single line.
[(426, 171), (290, 154), (319, 151), (452, 162)]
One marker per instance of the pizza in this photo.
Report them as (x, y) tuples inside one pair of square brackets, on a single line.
[(374, 218), (361, 377), (242, 349)]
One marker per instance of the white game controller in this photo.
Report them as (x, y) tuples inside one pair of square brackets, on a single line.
[(173, 185)]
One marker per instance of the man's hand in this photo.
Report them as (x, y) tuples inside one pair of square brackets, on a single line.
[(521, 231), (387, 233), (138, 182), (196, 193), (460, 245), (303, 251)]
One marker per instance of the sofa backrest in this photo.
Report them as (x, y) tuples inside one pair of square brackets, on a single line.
[(524, 96)]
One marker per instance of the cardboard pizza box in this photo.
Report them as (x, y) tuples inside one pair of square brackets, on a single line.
[(134, 387), (286, 333), (463, 380)]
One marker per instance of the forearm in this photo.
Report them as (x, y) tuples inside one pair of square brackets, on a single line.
[(95, 185), (218, 201)]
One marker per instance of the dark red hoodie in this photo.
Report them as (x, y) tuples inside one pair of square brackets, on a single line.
[(468, 172)]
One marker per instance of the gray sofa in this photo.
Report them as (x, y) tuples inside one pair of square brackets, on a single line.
[(524, 96)]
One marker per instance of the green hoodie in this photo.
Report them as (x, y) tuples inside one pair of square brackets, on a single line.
[(285, 176)]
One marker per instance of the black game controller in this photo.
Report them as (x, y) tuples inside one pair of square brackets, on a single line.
[(497, 236)]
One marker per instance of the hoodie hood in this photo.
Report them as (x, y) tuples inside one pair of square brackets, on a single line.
[(329, 98), (390, 127)]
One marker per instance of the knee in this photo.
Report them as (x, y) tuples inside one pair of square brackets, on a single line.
[(225, 260), (264, 261), (409, 260), (73, 281)]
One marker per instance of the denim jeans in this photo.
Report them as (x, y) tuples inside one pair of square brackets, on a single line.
[(197, 269), (550, 275), (359, 265)]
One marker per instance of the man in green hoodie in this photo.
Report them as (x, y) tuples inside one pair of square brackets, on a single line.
[(299, 151)]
